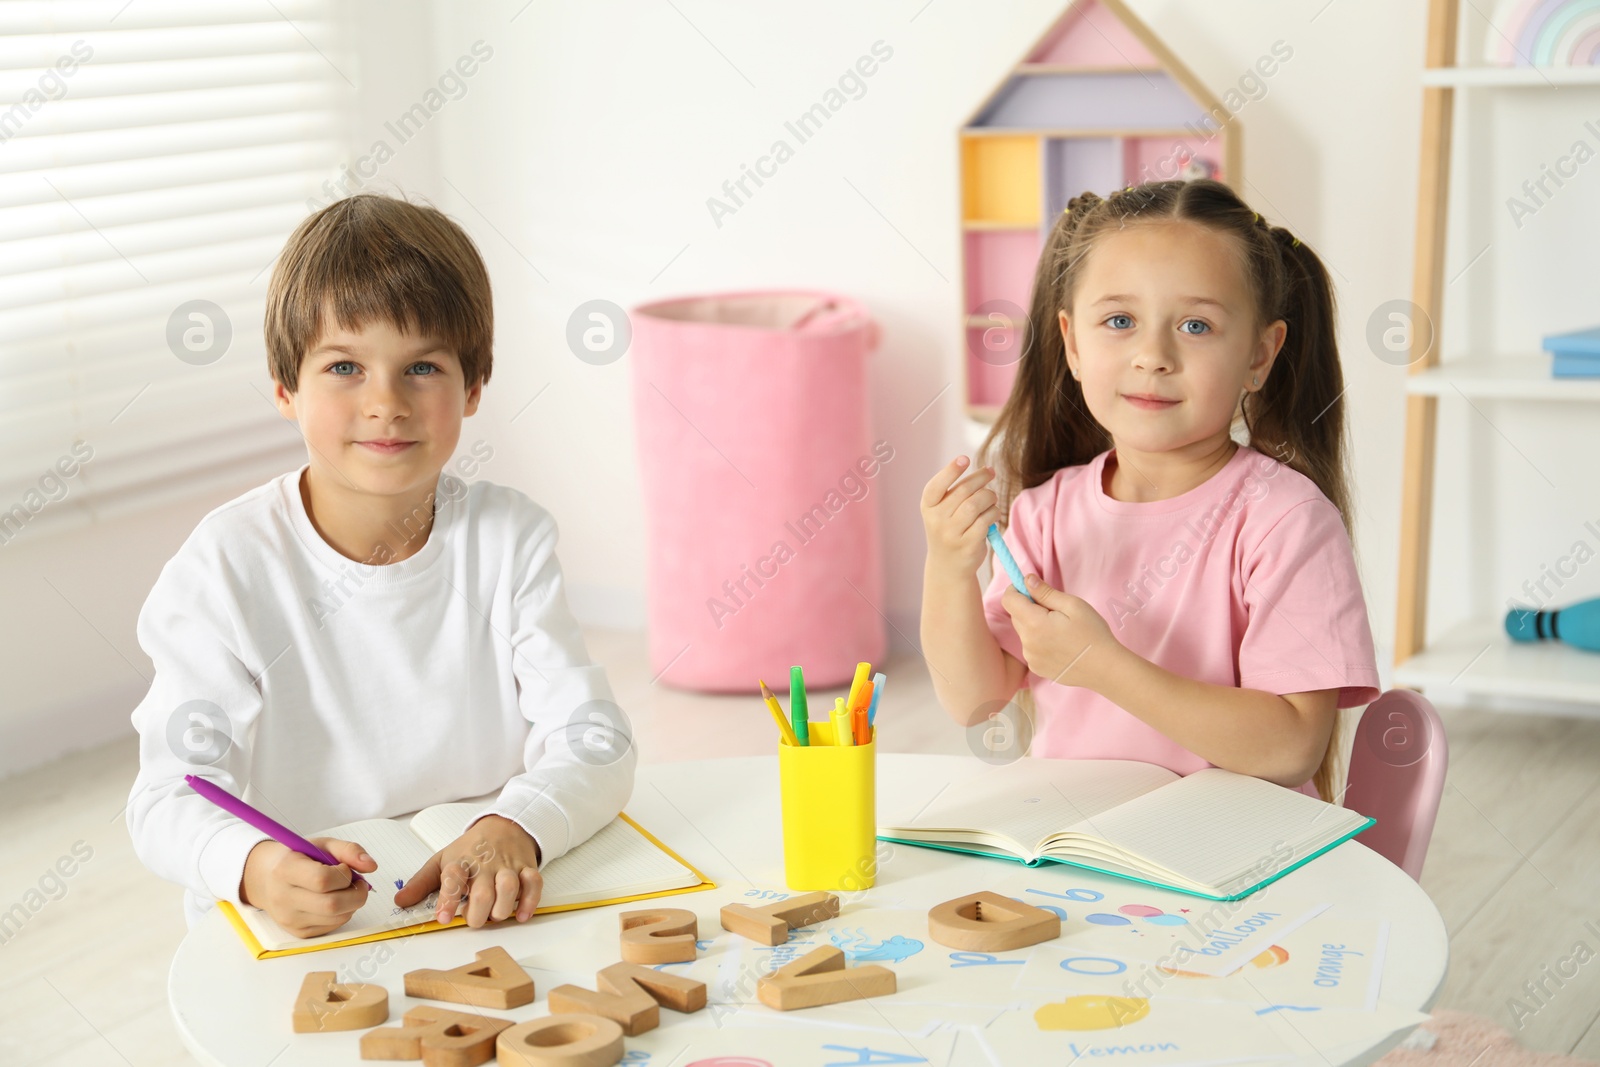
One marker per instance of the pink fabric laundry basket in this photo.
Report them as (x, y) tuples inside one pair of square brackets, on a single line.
[(761, 482)]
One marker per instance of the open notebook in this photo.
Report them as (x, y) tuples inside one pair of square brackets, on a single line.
[(1211, 834), (621, 862)]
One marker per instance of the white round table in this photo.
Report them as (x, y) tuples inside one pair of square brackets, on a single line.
[(722, 816)]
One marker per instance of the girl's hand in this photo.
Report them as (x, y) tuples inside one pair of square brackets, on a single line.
[(957, 516), (1063, 638), (305, 897), (493, 867)]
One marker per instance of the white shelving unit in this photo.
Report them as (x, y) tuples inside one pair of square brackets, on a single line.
[(1510, 77), (1501, 378), (1477, 657)]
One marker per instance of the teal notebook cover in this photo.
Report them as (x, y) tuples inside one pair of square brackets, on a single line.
[(1129, 877)]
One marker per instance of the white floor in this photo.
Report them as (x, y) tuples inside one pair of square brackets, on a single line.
[(1514, 867)]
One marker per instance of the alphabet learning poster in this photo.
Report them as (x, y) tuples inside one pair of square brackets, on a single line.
[(1327, 963), (1128, 920), (797, 1046), (1138, 1032)]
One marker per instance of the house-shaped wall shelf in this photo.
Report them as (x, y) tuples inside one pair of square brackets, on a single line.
[(1098, 103)]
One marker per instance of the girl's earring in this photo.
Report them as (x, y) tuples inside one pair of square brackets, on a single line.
[(1255, 381)]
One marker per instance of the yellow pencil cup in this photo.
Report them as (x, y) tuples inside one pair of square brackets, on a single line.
[(830, 813)]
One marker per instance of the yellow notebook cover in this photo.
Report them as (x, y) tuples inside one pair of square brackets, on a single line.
[(249, 938)]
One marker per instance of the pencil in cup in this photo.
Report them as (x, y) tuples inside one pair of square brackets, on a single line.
[(784, 726), (830, 815)]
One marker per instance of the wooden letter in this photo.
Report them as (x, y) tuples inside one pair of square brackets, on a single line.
[(989, 922), (820, 977), (630, 994), (562, 1041), (673, 990), (771, 925), (495, 981), (663, 935), (634, 1012), (437, 1036), (324, 1004)]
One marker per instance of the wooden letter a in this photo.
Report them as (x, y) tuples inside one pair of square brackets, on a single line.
[(495, 981), (820, 977), (435, 1035)]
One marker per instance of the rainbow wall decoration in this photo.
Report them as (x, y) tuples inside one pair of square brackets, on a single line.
[(1545, 33)]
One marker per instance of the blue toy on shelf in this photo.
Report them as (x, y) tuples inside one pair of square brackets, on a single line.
[(1576, 624)]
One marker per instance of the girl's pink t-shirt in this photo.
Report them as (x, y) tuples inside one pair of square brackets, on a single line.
[(1246, 580)]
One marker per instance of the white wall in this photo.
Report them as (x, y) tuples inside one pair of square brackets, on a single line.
[(580, 159), (627, 117), (71, 669)]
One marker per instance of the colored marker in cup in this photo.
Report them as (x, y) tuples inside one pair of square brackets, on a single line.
[(840, 717)]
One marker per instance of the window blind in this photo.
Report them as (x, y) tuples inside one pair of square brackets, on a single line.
[(153, 155)]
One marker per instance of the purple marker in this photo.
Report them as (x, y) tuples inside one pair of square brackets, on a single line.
[(272, 828)]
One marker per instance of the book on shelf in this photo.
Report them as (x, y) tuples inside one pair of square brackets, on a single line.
[(1575, 343), (1574, 366)]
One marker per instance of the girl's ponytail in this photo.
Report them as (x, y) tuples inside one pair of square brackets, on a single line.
[(1298, 416)]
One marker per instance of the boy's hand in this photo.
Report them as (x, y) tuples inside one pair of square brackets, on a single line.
[(493, 866), (956, 517), (1063, 638), (303, 896)]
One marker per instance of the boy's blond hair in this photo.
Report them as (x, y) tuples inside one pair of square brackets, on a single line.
[(373, 258)]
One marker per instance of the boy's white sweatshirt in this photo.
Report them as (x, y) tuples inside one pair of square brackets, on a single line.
[(323, 690)]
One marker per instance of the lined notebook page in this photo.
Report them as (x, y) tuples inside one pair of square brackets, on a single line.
[(443, 823), (399, 855), (1214, 826), (618, 861), (1031, 799)]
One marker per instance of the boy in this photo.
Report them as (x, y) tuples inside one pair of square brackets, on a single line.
[(368, 635)]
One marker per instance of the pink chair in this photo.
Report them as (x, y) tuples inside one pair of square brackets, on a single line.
[(1397, 766)]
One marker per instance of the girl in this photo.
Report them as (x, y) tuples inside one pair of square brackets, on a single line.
[(1195, 600)]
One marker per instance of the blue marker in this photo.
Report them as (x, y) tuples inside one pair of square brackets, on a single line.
[(1007, 560), (878, 681)]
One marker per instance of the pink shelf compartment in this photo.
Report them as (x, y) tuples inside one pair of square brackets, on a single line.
[(1000, 266), (1159, 158)]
